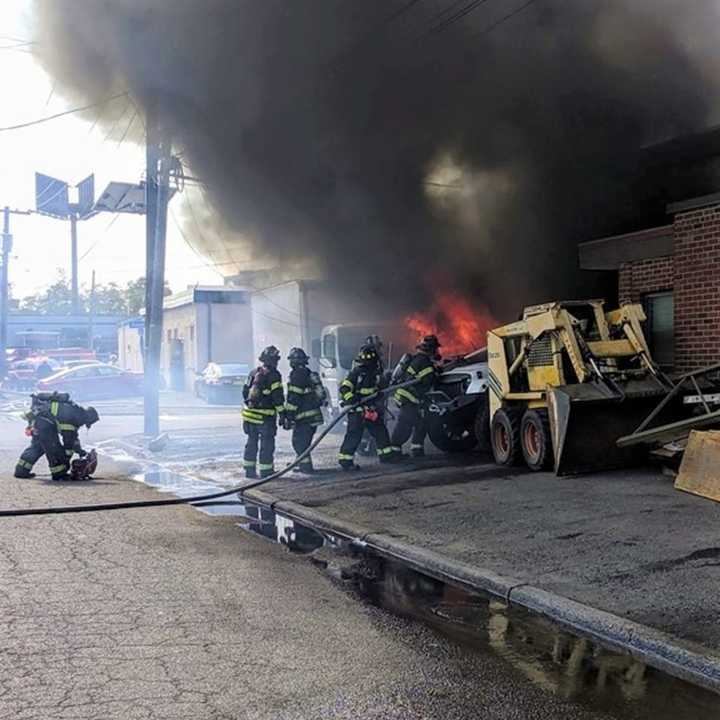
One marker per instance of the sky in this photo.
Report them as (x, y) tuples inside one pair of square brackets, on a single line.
[(71, 148)]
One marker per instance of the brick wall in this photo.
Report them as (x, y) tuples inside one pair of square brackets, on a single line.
[(644, 276), (697, 288)]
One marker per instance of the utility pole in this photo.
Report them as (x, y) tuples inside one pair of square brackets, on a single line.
[(4, 287), (91, 312), (157, 195), (74, 261)]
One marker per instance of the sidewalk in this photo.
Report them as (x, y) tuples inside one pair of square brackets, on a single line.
[(625, 543)]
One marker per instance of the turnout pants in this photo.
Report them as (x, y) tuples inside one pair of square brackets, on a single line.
[(411, 421), (46, 442), (356, 425), (260, 447), (29, 457), (302, 436)]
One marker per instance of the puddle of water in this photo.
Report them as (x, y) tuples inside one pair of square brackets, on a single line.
[(565, 665), (295, 537), (560, 663)]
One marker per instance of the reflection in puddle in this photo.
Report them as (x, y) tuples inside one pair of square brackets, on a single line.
[(565, 665), (261, 521)]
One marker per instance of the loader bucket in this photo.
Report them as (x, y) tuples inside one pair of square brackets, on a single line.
[(585, 424)]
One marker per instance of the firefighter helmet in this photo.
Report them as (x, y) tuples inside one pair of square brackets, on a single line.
[(297, 356), (270, 356), (368, 355), (91, 416), (429, 344)]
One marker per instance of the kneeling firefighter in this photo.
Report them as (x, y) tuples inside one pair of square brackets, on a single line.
[(264, 402), (411, 420), (364, 380), (305, 396), (52, 417)]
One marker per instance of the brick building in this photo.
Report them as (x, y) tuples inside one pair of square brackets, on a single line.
[(674, 271)]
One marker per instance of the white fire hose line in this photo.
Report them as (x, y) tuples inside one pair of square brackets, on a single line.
[(239, 490)]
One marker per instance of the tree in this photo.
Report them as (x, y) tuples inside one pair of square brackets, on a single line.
[(109, 299)]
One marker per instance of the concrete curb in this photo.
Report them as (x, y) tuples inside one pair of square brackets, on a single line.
[(683, 660)]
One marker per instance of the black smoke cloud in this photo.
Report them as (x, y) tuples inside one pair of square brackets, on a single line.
[(327, 129)]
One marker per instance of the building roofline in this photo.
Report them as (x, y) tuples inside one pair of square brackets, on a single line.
[(610, 253), (695, 203)]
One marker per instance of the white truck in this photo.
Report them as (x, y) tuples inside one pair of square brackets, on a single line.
[(307, 314)]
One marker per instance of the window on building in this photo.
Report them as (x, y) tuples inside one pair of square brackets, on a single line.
[(660, 329)]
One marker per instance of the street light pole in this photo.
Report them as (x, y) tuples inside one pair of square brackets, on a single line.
[(4, 285), (74, 261)]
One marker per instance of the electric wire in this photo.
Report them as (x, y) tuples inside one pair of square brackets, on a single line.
[(238, 490), (71, 111)]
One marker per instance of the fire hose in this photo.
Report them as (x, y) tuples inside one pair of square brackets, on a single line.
[(238, 490)]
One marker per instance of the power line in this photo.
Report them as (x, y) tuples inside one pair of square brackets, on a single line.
[(455, 17), (101, 238), (504, 19), (62, 114)]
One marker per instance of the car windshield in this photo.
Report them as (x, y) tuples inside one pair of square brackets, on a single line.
[(233, 369)]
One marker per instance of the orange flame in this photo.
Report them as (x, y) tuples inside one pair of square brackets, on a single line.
[(460, 327)]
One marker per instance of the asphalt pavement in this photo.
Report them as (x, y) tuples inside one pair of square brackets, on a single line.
[(170, 613)]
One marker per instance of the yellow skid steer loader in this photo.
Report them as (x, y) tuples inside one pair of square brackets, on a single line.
[(566, 381)]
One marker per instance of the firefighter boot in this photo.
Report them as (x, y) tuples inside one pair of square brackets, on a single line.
[(23, 474)]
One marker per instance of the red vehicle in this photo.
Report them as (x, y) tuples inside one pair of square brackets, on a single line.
[(94, 382), (22, 374)]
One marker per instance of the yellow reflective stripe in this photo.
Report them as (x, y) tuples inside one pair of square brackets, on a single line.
[(54, 407), (307, 413), (368, 391), (403, 393), (248, 463), (279, 408), (385, 451), (258, 411), (276, 385), (291, 407), (299, 390), (347, 383), (253, 420), (69, 452), (58, 468), (24, 464), (411, 370), (267, 392), (265, 467), (424, 372), (68, 427), (343, 456), (347, 396)]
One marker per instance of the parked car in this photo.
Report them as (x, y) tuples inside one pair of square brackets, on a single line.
[(23, 374), (222, 383), (95, 381)]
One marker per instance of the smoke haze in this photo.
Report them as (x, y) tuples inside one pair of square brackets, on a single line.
[(402, 147)]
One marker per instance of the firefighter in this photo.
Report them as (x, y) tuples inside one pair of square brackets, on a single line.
[(264, 403), (53, 424), (305, 396), (364, 380), (411, 420)]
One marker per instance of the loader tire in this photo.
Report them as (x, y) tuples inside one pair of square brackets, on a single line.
[(482, 426), (535, 440), (505, 436)]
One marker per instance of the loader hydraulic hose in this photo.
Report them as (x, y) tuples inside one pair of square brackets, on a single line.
[(201, 499)]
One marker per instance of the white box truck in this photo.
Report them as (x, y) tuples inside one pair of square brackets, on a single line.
[(308, 314)]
